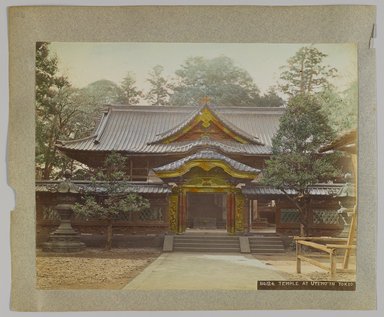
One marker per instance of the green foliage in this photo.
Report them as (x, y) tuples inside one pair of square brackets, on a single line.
[(114, 199), (218, 78), (111, 207), (47, 79), (305, 72), (159, 91), (295, 162), (341, 108), (129, 93), (63, 112), (55, 110), (270, 99), (102, 92), (94, 98)]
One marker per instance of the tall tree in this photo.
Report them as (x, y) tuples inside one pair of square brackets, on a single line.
[(129, 93), (102, 92), (92, 99), (306, 73), (218, 78), (54, 110), (159, 90), (295, 163), (341, 108), (114, 200), (270, 99)]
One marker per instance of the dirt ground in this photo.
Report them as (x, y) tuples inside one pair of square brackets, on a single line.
[(92, 269), (101, 269)]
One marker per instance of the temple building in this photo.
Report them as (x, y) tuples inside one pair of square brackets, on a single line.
[(199, 167)]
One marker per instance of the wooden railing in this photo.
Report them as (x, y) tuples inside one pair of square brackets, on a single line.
[(328, 245)]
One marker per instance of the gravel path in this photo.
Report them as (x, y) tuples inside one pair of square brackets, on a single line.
[(92, 269)]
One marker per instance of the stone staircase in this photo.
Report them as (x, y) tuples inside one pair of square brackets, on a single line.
[(223, 243), (187, 243), (266, 244)]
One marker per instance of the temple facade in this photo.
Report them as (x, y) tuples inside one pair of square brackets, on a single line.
[(199, 167)]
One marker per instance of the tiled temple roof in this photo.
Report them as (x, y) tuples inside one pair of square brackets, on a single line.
[(336, 190), (216, 113), (99, 187), (135, 129)]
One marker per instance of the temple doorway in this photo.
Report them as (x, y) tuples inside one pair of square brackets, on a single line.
[(206, 210)]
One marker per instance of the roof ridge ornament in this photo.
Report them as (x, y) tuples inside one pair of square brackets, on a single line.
[(205, 100), (207, 115)]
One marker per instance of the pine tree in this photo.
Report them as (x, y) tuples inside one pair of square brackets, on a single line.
[(129, 93), (54, 109), (218, 78), (158, 94), (305, 72), (113, 200), (295, 163)]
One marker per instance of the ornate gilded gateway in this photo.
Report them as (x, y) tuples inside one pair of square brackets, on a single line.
[(206, 194), (206, 199)]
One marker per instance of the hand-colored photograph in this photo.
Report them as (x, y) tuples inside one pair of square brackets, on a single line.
[(196, 166)]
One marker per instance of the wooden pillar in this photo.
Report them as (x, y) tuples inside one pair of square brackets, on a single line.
[(230, 212), (250, 214), (298, 259), (351, 237), (182, 210), (332, 258), (254, 209), (131, 169)]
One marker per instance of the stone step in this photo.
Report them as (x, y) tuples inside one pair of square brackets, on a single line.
[(269, 243), (265, 236), (196, 244), (206, 244), (264, 239), (206, 240), (266, 244), (206, 249), (268, 251)]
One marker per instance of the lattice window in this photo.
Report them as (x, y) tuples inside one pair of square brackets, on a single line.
[(153, 213), (325, 216), (289, 215)]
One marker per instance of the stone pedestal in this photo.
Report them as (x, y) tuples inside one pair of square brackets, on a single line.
[(65, 238)]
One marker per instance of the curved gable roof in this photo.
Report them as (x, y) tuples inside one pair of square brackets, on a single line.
[(131, 129), (206, 113), (206, 159)]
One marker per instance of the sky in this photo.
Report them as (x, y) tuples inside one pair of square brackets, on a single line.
[(85, 62)]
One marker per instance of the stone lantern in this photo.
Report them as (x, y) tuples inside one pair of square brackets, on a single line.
[(65, 238)]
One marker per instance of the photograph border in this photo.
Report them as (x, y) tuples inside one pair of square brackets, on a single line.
[(30, 24)]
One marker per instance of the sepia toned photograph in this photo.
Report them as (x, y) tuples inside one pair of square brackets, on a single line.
[(196, 166)]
